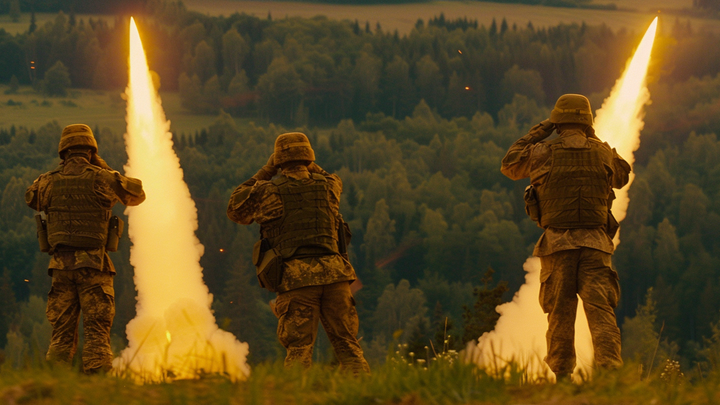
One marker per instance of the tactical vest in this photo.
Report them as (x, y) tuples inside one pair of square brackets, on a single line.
[(576, 192), (308, 225), (75, 217)]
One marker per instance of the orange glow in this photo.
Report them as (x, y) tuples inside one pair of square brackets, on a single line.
[(171, 293), (467, 87), (624, 109)]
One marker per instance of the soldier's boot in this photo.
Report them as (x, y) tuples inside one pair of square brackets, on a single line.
[(301, 355), (562, 377)]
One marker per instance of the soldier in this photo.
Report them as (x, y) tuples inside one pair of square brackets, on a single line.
[(77, 199), (572, 179), (301, 251)]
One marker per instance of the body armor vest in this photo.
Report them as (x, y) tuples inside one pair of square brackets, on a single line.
[(76, 218), (308, 226), (577, 189)]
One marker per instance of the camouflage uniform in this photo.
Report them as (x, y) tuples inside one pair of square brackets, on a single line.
[(312, 289), (82, 279), (575, 260)]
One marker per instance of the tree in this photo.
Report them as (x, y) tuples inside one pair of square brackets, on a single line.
[(14, 85), (15, 10), (400, 309), (33, 24), (525, 82), (203, 62), (234, 51), (57, 80), (482, 317), (379, 240), (641, 335), (281, 90), (366, 80), (397, 85), (428, 80)]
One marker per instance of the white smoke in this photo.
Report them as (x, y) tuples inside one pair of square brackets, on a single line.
[(519, 335), (174, 334)]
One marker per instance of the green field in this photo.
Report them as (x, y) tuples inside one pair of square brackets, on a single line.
[(634, 14), (95, 108), (394, 383), (41, 18)]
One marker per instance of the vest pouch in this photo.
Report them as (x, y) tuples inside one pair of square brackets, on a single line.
[(42, 234), (532, 205), (344, 236), (115, 231), (269, 271)]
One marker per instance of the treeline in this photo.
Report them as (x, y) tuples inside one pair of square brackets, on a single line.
[(124, 7), (319, 71)]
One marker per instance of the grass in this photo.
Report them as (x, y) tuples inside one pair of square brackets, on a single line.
[(104, 109), (447, 381), (403, 379), (634, 15)]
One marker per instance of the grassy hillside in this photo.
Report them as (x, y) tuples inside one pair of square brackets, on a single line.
[(402, 17), (395, 383)]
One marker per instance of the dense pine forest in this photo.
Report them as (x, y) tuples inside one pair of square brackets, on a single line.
[(416, 127)]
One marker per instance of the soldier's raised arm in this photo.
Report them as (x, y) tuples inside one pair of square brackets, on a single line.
[(516, 163), (244, 200)]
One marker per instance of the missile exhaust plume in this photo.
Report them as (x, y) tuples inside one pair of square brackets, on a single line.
[(174, 334), (519, 335)]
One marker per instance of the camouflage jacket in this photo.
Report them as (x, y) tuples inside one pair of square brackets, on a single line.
[(257, 200), (530, 155), (111, 187)]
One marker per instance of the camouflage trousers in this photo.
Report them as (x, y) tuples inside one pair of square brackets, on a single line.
[(91, 292), (299, 312), (587, 273)]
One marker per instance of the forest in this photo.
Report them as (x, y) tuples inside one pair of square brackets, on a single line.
[(416, 127)]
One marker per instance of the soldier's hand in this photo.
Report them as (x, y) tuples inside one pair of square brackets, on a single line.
[(542, 130), (268, 171), (548, 126), (99, 162)]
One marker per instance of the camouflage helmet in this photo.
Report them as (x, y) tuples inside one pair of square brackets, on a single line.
[(572, 109), (293, 146), (75, 135)]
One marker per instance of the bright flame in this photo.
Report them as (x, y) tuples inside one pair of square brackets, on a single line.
[(172, 296), (624, 110), (519, 335)]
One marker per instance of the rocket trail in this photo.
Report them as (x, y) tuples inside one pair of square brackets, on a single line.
[(519, 335), (174, 334)]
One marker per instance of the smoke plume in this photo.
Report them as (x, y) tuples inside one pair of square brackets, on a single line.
[(519, 335), (174, 334)]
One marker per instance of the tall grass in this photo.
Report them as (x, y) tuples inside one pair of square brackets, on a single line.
[(445, 380)]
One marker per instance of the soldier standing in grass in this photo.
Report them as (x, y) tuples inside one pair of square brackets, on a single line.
[(301, 253), (572, 179), (77, 198)]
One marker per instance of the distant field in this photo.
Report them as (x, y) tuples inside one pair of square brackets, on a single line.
[(403, 16), (105, 109), (40, 19)]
